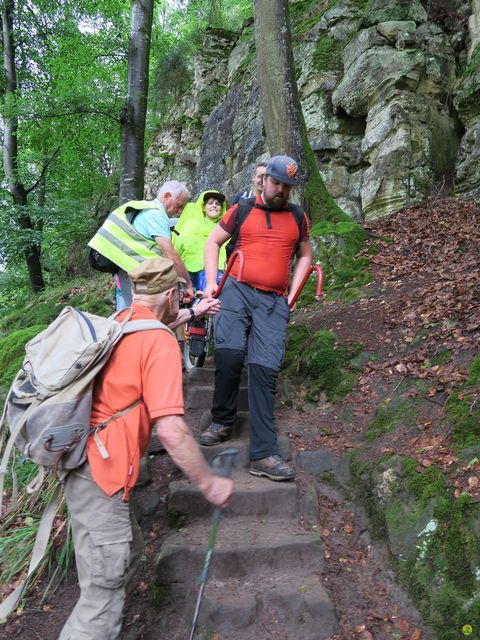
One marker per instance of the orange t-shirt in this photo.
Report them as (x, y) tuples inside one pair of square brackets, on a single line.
[(267, 253), (145, 365)]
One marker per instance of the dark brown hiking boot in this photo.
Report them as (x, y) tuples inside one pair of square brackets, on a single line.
[(272, 467), (215, 434)]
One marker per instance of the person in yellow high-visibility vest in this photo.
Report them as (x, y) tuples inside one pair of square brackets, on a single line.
[(139, 230)]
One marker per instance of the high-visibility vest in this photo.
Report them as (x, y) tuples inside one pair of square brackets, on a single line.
[(118, 241)]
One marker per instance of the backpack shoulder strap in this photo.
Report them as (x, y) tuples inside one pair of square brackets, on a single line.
[(244, 206), (143, 325), (298, 214)]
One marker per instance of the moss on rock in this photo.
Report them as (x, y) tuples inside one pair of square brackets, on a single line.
[(319, 363), (432, 536), (464, 412), (335, 246), (328, 54)]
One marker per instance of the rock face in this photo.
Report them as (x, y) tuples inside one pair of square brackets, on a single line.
[(390, 96)]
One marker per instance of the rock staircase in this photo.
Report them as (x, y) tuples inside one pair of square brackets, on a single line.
[(264, 581)]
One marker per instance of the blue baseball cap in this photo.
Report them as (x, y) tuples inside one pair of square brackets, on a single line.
[(284, 169)]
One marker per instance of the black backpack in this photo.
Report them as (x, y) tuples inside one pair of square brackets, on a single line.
[(245, 205)]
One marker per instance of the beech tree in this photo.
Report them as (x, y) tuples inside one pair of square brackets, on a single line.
[(135, 108), (10, 151), (282, 112), (64, 68)]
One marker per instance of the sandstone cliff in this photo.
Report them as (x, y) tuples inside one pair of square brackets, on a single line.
[(390, 94)]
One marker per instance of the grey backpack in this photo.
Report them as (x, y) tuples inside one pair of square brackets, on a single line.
[(48, 407)]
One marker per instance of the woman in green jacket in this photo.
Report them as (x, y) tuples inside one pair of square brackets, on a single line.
[(192, 230)]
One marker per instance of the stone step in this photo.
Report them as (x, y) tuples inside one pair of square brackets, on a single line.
[(201, 375), (252, 496), (242, 444), (245, 547), (241, 460), (200, 397), (240, 428), (301, 605), (206, 375)]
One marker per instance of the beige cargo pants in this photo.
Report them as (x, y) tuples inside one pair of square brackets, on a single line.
[(108, 545)]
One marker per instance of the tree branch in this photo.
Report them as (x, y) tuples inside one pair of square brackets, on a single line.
[(73, 112), (45, 166)]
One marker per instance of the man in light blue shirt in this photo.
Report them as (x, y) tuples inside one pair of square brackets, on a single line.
[(155, 224)]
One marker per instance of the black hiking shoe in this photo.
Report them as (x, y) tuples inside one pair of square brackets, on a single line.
[(272, 467), (215, 434)]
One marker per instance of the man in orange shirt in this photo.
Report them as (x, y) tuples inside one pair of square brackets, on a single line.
[(144, 367), (252, 322)]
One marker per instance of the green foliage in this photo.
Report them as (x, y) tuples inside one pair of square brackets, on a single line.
[(18, 532), (320, 362), (12, 351), (70, 63), (94, 295), (463, 410)]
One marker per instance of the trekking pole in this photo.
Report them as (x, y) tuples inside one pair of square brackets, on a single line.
[(318, 291), (235, 255), (223, 463)]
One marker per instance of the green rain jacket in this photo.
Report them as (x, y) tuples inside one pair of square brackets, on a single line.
[(193, 228)]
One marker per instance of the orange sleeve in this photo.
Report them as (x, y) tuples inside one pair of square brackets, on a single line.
[(229, 220), (161, 371)]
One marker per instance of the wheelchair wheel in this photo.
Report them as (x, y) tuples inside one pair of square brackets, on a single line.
[(191, 362)]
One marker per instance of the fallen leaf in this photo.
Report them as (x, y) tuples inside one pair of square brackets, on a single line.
[(416, 635), (402, 625)]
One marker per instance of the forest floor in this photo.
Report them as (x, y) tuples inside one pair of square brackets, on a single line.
[(421, 303)]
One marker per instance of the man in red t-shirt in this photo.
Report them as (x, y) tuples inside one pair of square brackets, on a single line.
[(144, 370), (252, 322)]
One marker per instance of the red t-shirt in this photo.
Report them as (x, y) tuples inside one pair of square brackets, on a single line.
[(145, 365), (267, 253)]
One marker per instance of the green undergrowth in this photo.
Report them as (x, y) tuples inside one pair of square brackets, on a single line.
[(319, 362), (94, 295), (463, 410), (19, 529), (336, 245), (433, 537), (21, 324), (12, 351)]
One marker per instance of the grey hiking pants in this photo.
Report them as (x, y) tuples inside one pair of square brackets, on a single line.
[(108, 545), (251, 325)]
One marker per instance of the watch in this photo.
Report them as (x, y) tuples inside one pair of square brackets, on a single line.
[(192, 314)]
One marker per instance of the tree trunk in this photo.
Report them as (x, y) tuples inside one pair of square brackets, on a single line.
[(10, 147), (282, 113), (135, 107)]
